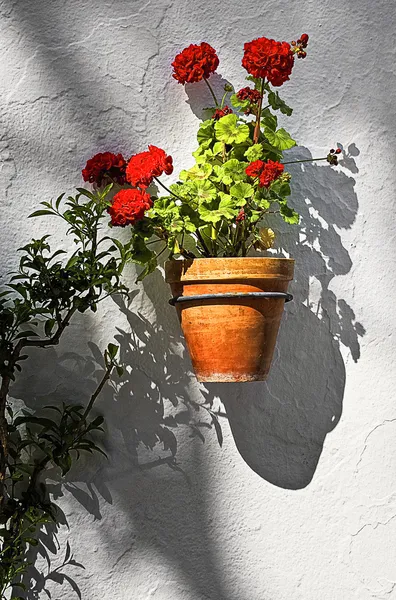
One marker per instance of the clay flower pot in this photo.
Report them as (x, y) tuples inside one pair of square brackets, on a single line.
[(230, 338)]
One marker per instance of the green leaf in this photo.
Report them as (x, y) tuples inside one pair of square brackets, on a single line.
[(228, 209), (203, 190), (242, 190), (149, 268), (289, 215), (202, 171), (281, 188), (269, 120), (236, 103), (255, 152), (58, 201), (278, 104), (48, 327), (205, 131), (279, 139), (41, 213), (230, 132), (112, 349)]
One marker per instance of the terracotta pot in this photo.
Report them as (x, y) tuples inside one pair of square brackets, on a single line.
[(230, 339)]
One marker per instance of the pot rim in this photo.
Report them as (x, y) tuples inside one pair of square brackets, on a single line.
[(229, 268)]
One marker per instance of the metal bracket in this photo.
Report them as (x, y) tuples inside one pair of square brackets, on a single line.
[(176, 299)]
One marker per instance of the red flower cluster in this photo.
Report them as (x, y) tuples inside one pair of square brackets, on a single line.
[(143, 167), (194, 63), (129, 206), (105, 164), (248, 93), (270, 59), (267, 172), (221, 112)]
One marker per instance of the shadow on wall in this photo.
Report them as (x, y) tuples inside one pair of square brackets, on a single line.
[(280, 426), (158, 396)]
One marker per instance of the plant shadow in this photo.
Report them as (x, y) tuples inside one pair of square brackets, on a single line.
[(280, 425), (154, 405)]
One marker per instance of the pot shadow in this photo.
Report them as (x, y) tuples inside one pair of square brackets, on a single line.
[(279, 426)]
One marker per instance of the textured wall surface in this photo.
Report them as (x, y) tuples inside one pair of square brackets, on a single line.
[(300, 502)]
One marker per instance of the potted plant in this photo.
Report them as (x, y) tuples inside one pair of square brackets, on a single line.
[(229, 303)]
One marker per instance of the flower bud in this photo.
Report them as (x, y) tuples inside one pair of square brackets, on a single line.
[(338, 151), (228, 87), (304, 39)]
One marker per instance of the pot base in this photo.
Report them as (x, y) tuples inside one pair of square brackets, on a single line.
[(231, 378)]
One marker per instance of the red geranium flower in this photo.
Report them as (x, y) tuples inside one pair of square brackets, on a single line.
[(129, 206), (105, 164), (270, 59), (221, 112), (194, 63), (267, 172), (143, 167), (248, 93)]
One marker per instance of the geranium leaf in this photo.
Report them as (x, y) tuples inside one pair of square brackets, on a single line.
[(255, 152), (242, 190), (279, 139), (230, 132), (278, 104)]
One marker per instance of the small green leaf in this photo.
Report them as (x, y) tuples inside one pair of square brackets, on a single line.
[(269, 120), (112, 349), (205, 131), (236, 103), (289, 215), (254, 153), (41, 213)]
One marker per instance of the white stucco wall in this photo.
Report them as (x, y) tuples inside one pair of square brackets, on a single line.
[(300, 502)]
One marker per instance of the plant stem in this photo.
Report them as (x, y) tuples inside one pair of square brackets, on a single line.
[(167, 189), (223, 98), (100, 387), (212, 92), (204, 246), (256, 133), (54, 340)]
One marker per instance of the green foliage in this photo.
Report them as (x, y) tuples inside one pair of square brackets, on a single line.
[(36, 307), (216, 209)]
